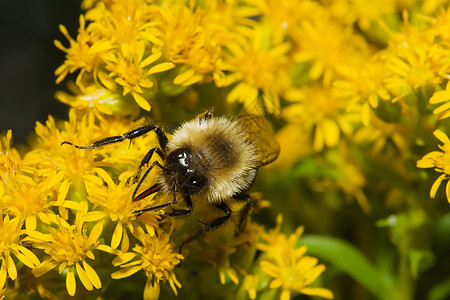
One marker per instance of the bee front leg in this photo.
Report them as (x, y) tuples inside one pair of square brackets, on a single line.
[(146, 160), (209, 226), (182, 212)]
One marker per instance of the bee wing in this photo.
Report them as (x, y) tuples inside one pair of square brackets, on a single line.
[(260, 132)]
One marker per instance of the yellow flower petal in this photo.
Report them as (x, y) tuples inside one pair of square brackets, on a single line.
[(117, 235), (12, 271), (194, 79), (96, 232), (160, 68), (62, 192), (83, 277), (151, 290), (222, 276), (125, 242), (150, 59), (25, 260), (440, 96), (285, 295), (183, 77), (141, 101), (125, 272), (440, 135), (436, 185), (71, 284), (30, 222), (92, 275), (123, 259), (321, 292), (30, 255), (44, 267), (331, 133), (447, 190), (93, 216), (233, 275), (442, 108), (314, 273), (3, 273)]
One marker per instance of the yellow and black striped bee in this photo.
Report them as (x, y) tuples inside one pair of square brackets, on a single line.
[(212, 159)]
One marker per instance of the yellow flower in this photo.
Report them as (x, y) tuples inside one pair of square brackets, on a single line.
[(284, 16), (365, 13), (115, 199), (124, 21), (29, 198), (414, 60), (250, 284), (367, 87), (72, 166), (294, 140), (322, 114), (333, 50), (11, 239), (98, 99), (67, 247), (256, 67), (9, 158), (440, 161), (84, 53), (131, 70), (291, 270), (383, 137), (442, 97), (194, 36), (155, 257)]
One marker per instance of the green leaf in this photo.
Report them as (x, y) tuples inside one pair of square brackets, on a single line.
[(349, 260), (420, 260), (440, 291)]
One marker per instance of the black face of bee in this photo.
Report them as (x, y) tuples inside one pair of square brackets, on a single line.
[(184, 171)]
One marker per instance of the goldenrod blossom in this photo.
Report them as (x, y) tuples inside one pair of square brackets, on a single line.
[(325, 117), (84, 53), (255, 67), (115, 199), (291, 270), (132, 70), (68, 247), (155, 257), (440, 161), (11, 238)]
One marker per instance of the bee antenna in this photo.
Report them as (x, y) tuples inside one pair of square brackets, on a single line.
[(72, 144), (66, 142)]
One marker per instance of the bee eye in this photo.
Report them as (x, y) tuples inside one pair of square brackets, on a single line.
[(197, 182), (194, 184)]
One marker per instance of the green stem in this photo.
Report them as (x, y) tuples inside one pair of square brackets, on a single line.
[(405, 280)]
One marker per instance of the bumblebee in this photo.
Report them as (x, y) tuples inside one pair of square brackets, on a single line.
[(212, 159)]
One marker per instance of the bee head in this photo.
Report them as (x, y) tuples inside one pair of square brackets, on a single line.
[(185, 174)]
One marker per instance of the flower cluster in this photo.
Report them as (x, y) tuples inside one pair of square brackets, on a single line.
[(61, 208), (357, 92), (64, 208)]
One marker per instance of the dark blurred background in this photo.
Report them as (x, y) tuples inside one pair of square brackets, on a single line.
[(28, 59)]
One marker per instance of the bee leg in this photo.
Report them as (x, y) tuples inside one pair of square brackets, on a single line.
[(151, 190), (245, 212), (209, 226), (146, 159), (128, 135), (182, 212), (156, 207), (141, 196)]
